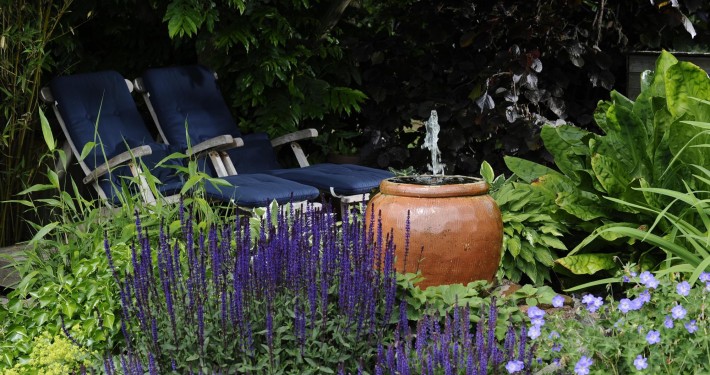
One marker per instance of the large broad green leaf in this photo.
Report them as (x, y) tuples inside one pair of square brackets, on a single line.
[(569, 146), (587, 264), (582, 204), (684, 81), (528, 171), (652, 88), (658, 85), (620, 100), (611, 174), (662, 120), (632, 137), (570, 198), (600, 115)]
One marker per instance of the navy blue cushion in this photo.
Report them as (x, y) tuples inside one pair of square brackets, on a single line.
[(255, 156), (257, 189), (345, 179), (189, 95), (98, 107)]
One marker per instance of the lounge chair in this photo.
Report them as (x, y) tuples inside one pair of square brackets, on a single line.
[(177, 95), (98, 109)]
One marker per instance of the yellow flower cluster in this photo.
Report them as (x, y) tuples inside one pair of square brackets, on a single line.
[(52, 356)]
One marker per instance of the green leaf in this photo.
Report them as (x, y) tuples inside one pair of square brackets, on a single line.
[(587, 264), (53, 178), (182, 19), (684, 139), (192, 181), (665, 244), (658, 85), (37, 187), (487, 172), (582, 204), (514, 246), (87, 149), (568, 146), (47, 131), (611, 174), (528, 171), (43, 231), (595, 283), (683, 81)]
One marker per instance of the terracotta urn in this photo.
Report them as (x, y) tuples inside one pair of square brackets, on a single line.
[(455, 227)]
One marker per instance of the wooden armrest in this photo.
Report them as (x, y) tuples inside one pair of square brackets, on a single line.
[(295, 136), (219, 143), (46, 95), (138, 85), (117, 160)]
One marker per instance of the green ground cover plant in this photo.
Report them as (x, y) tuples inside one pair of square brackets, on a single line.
[(660, 326)]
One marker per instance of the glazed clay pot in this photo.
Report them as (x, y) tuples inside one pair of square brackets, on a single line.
[(456, 230)]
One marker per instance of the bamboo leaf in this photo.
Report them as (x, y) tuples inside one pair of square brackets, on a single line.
[(87, 149), (44, 231), (47, 131), (37, 187)]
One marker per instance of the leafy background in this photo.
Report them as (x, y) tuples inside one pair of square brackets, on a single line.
[(360, 72)]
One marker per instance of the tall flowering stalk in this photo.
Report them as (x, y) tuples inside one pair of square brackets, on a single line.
[(220, 300), (445, 345)]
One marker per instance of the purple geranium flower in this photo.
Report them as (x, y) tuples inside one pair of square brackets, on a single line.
[(514, 366), (640, 362), (678, 312), (625, 305), (645, 296), (582, 366), (534, 332), (653, 337), (558, 301), (691, 326), (668, 322), (646, 278), (683, 288), (593, 303), (704, 277), (535, 312), (636, 304)]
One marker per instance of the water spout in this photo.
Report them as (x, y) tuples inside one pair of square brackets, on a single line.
[(431, 143)]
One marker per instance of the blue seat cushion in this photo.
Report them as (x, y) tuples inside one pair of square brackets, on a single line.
[(345, 179), (256, 156), (255, 190)]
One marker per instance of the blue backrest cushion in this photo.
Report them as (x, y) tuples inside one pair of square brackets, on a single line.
[(98, 107), (189, 95), (255, 156)]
